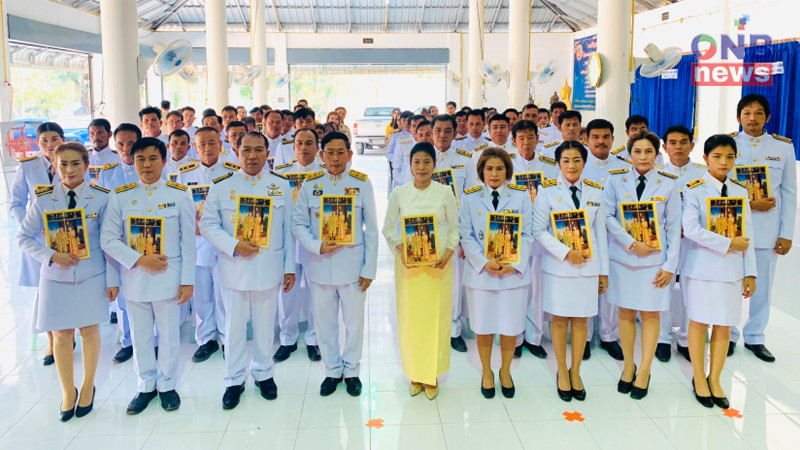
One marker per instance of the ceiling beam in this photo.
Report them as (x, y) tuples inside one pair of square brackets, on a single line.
[(349, 18), (277, 18), (560, 14), (386, 18), (169, 13), (241, 14), (458, 15), (421, 15), (313, 15), (497, 9)]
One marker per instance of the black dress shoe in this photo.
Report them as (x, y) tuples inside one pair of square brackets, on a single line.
[(232, 395), (170, 400), (563, 395), (48, 360), (613, 349), (705, 401), (761, 352), (205, 351), (638, 393), (625, 387), (508, 392), (113, 318), (313, 352), (124, 354), (140, 402), (579, 395), (722, 402), (587, 352), (353, 386), (458, 344), (268, 388), (328, 386), (518, 352), (663, 352), (66, 415), (731, 347), (487, 393), (684, 351), (81, 411), (284, 352), (536, 350)]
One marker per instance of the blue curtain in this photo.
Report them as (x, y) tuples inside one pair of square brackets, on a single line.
[(666, 102), (785, 89)]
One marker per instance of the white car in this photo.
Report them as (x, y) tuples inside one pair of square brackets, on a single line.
[(370, 130)]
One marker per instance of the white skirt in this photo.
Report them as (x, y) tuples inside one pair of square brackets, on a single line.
[(498, 312), (570, 296), (713, 302), (65, 306), (632, 287)]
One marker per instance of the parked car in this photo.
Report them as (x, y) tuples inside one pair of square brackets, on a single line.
[(370, 130)]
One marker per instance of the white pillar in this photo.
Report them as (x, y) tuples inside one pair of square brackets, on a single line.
[(613, 45), (281, 45), (258, 32), (120, 40), (519, 41), (217, 53), (476, 23)]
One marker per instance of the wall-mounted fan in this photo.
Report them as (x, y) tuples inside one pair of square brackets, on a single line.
[(169, 59), (658, 60), (493, 74), (246, 74), (546, 72), (282, 80), (189, 73)]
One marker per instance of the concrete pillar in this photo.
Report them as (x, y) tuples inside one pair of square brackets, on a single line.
[(613, 45), (217, 53), (519, 27), (120, 41), (280, 43), (476, 24), (258, 33)]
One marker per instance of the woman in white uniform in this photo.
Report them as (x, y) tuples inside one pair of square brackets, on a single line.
[(497, 288), (74, 289), (715, 264), (641, 270), (571, 279)]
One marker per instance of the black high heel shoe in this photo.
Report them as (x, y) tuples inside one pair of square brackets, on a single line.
[(66, 415), (625, 387), (487, 393), (81, 411), (508, 392), (722, 402), (705, 401), (576, 394), (638, 393), (563, 395)]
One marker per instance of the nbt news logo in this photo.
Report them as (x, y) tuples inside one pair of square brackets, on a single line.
[(728, 72)]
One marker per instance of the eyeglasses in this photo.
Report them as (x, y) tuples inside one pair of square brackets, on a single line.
[(334, 154)]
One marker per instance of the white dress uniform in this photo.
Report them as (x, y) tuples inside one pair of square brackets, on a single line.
[(153, 298), (298, 300), (228, 155), (191, 130), (163, 138), (284, 154), (470, 144), (472, 169), (623, 154), (550, 135), (497, 304), (250, 285), (549, 149), (401, 170), (569, 290), (173, 166), (631, 276), (777, 153), (539, 163), (710, 266), (206, 301), (676, 315), (72, 297), (334, 276), (393, 141), (103, 156)]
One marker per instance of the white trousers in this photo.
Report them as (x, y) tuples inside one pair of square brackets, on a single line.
[(766, 260), (459, 308), (207, 305), (534, 315), (675, 317), (327, 301), (152, 373), (259, 308), (290, 306), (607, 321)]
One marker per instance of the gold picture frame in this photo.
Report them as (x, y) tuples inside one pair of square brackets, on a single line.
[(419, 240), (336, 219), (755, 179), (253, 220), (726, 216), (640, 221), (503, 237), (146, 234), (65, 232), (572, 229)]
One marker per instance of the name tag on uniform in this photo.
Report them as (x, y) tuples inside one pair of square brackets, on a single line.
[(658, 199), (772, 158), (91, 216), (592, 204), (166, 205), (352, 191), (459, 166), (275, 193), (510, 211)]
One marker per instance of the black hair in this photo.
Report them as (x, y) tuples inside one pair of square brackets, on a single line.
[(149, 110), (175, 113), (476, 113), (571, 145), (555, 105), (235, 123), (634, 119), (524, 125), (718, 140), (406, 114), (529, 106), (422, 147), (187, 108), (254, 110), (459, 114), (313, 131), (178, 133), (249, 120), (678, 129), (544, 110), (219, 119), (100, 123), (209, 112), (571, 114), (499, 117), (423, 123), (451, 103), (643, 135), (443, 118), (165, 104), (599, 124), (128, 127), (749, 99), (228, 108), (147, 142), (50, 126), (302, 113), (508, 110), (336, 135), (272, 111), (286, 113), (204, 129), (252, 133)]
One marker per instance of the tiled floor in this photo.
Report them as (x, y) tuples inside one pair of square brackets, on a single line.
[(767, 395)]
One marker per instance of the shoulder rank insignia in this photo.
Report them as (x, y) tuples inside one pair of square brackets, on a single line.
[(517, 187), (188, 167), (593, 184), (739, 183), (512, 155), (701, 166), (100, 188), (547, 160), (548, 183), (465, 153), (315, 175), (617, 150), (473, 189), (659, 166), (279, 175), (551, 144), (125, 187), (178, 186), (668, 175), (110, 166), (461, 138), (43, 189), (282, 166), (29, 158), (625, 159), (356, 174), (287, 141), (230, 165), (618, 171), (223, 177), (734, 134), (781, 138), (695, 183)]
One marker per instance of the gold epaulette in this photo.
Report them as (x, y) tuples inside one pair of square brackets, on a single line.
[(547, 160), (551, 144), (659, 166), (315, 175), (512, 155), (230, 165), (781, 138), (287, 141), (668, 175), (29, 158), (695, 183), (465, 153), (548, 183), (125, 187), (188, 167), (110, 166), (473, 189), (223, 177), (517, 187), (618, 171), (739, 183), (460, 138), (593, 184), (360, 175), (100, 188), (479, 148), (278, 174), (43, 189), (178, 186), (617, 150), (282, 166), (734, 134), (625, 159), (701, 166)]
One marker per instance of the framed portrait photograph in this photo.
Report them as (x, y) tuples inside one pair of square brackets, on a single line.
[(296, 180), (572, 229), (65, 232), (755, 179), (145, 234), (640, 220), (253, 221), (502, 237), (336, 219), (446, 178), (199, 193), (419, 240), (95, 173), (530, 181), (725, 216)]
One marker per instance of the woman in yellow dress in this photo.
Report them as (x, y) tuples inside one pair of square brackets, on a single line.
[(393, 126), (424, 294)]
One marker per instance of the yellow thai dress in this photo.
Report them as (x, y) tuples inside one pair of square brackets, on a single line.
[(424, 294)]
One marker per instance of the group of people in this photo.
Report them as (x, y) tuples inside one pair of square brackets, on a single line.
[(230, 282)]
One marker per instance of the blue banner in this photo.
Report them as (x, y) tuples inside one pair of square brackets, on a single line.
[(583, 95)]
